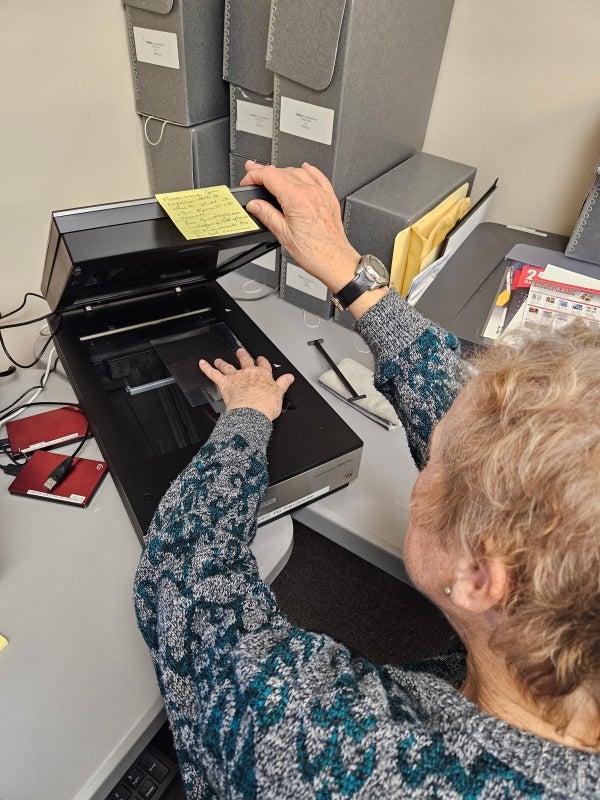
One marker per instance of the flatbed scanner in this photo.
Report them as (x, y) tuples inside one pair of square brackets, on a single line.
[(136, 306)]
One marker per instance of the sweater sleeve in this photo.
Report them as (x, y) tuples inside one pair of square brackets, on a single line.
[(417, 367), (198, 594)]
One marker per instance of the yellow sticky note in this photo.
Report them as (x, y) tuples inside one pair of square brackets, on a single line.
[(204, 213), (3, 641)]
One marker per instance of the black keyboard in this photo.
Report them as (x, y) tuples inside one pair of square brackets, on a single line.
[(148, 778)]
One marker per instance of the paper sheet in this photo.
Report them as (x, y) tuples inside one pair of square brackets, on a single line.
[(424, 279), (206, 213)]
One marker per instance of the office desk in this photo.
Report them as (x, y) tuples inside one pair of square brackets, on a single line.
[(78, 694)]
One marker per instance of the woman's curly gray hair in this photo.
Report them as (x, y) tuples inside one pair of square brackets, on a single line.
[(520, 479)]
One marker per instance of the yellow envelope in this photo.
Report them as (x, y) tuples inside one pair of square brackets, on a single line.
[(417, 246)]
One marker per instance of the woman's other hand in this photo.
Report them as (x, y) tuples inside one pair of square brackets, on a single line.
[(309, 226), (251, 386)]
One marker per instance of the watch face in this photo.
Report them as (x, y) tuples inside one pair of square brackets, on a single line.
[(375, 270)]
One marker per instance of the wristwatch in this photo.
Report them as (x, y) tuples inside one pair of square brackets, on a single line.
[(370, 274)]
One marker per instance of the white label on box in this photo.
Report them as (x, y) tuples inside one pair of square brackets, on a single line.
[(306, 120), (253, 118), (296, 278), (268, 261), (156, 47)]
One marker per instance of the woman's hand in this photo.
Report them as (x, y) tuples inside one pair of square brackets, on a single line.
[(310, 227), (251, 386)]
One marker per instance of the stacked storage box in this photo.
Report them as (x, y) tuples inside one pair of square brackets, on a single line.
[(294, 81), (250, 82), (375, 214), (353, 87), (250, 105), (176, 52)]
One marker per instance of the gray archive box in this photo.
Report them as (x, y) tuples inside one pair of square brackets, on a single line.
[(251, 124), (251, 92), (354, 83), (237, 170), (303, 290), (584, 242), (375, 213), (186, 157), (177, 57), (263, 271)]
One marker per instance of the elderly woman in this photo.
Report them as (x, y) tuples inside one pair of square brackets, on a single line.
[(503, 537)]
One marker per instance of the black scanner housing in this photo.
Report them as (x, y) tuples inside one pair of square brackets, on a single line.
[(128, 287)]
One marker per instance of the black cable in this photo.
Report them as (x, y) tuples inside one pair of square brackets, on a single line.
[(39, 385), (42, 351), (26, 295), (44, 403), (14, 457), (28, 322), (11, 469), (60, 471)]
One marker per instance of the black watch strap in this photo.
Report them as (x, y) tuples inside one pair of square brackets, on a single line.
[(370, 274), (351, 291)]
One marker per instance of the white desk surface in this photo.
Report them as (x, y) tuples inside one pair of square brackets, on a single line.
[(78, 693)]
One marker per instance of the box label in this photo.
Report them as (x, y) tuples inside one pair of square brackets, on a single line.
[(253, 118), (156, 47), (297, 278), (306, 120)]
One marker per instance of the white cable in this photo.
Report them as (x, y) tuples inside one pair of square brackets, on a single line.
[(162, 130), (308, 325), (38, 390), (246, 284), (357, 340)]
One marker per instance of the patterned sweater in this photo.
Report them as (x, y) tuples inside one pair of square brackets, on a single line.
[(259, 708)]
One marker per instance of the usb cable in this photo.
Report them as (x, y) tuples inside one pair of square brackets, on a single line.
[(60, 471)]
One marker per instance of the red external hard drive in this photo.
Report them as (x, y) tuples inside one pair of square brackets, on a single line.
[(77, 488), (49, 429)]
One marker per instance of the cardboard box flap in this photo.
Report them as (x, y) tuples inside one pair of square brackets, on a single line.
[(303, 40), (244, 56), (156, 6)]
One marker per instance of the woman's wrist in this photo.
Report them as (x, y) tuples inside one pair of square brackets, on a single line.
[(346, 266), (367, 300), (342, 271)]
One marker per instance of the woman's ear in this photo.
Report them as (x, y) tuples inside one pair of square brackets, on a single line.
[(479, 584)]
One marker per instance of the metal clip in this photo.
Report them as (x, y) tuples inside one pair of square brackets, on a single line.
[(353, 395)]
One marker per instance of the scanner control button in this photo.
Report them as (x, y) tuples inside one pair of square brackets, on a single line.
[(147, 789), (152, 765)]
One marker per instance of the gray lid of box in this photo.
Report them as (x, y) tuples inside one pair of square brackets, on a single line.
[(414, 186), (156, 6), (244, 56), (303, 40)]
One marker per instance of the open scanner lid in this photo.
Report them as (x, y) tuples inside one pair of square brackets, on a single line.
[(111, 252)]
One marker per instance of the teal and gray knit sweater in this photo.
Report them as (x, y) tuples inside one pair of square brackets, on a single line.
[(262, 709)]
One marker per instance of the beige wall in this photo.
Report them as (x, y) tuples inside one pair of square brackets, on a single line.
[(70, 135), (518, 97)]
